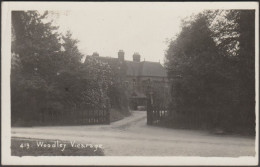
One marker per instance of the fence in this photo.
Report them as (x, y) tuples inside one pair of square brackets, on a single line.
[(83, 117)]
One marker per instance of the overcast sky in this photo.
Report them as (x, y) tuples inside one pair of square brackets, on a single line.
[(137, 27)]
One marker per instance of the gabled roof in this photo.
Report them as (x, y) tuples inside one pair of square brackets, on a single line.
[(106, 59), (145, 68), (132, 68), (152, 69)]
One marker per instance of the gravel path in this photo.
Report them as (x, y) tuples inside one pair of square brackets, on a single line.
[(132, 137)]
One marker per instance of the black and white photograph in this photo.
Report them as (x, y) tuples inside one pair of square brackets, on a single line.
[(130, 83)]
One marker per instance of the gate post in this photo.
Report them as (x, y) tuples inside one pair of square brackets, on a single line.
[(149, 112)]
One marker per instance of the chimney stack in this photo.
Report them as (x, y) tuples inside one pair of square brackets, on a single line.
[(95, 54), (136, 57), (121, 55)]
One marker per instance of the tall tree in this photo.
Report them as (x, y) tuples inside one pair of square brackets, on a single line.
[(34, 46), (47, 77), (193, 56), (234, 33), (216, 65)]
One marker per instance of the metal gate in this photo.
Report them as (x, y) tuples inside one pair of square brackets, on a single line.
[(156, 114)]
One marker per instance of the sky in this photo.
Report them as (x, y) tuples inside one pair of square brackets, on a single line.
[(107, 28)]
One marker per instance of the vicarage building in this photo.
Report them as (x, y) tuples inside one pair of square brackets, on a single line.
[(139, 77)]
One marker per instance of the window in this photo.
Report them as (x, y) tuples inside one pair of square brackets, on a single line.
[(134, 82), (126, 84)]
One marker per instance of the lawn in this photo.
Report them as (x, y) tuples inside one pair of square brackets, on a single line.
[(43, 147)]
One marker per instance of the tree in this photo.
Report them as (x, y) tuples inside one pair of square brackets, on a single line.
[(48, 79), (34, 45), (193, 56), (234, 33), (216, 66)]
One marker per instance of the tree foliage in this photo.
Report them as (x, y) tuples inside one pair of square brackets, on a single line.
[(211, 63), (47, 76)]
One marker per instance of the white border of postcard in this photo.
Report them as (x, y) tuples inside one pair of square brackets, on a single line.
[(7, 159)]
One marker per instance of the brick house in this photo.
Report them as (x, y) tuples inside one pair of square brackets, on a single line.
[(142, 79)]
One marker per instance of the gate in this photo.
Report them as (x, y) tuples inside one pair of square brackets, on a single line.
[(156, 114)]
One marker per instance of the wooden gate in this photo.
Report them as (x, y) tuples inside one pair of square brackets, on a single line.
[(156, 114)]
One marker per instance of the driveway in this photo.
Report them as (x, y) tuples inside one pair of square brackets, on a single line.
[(132, 137)]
